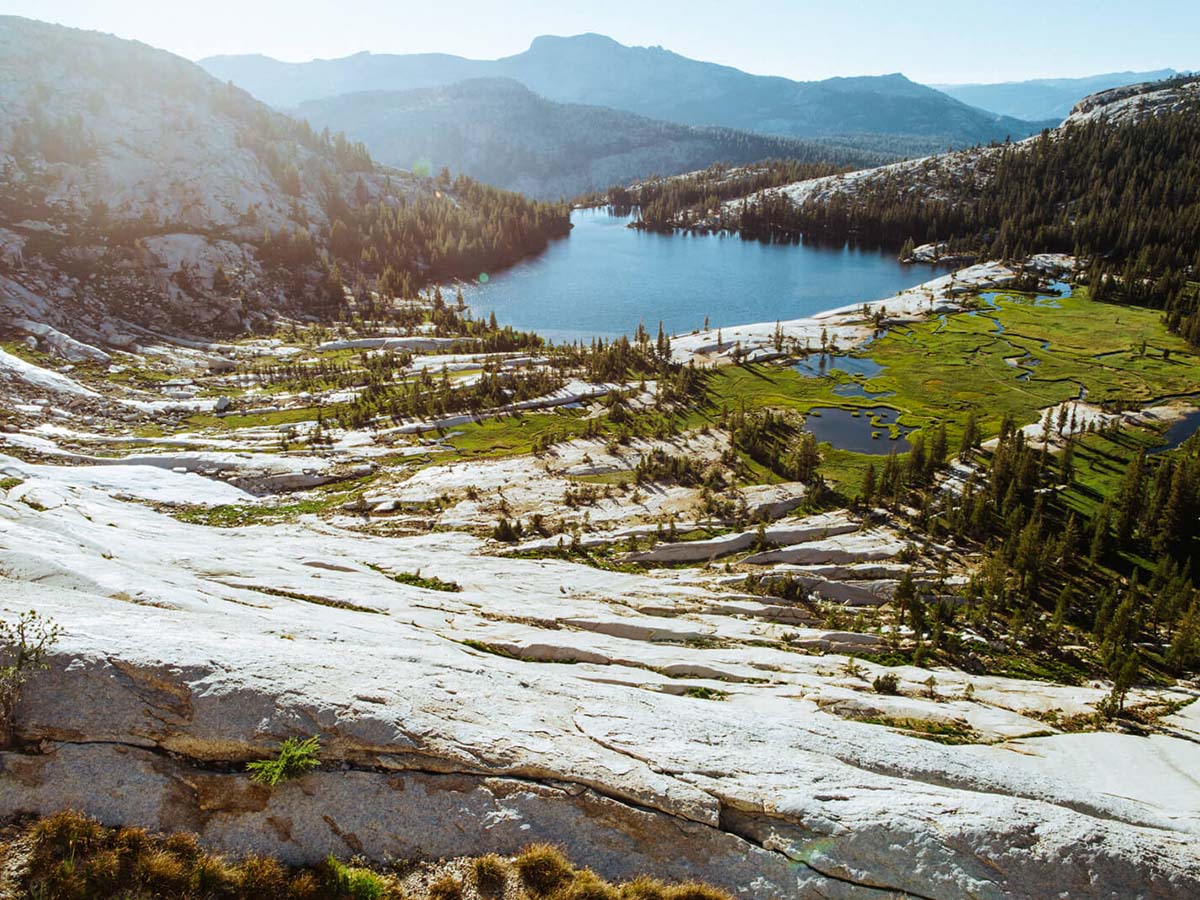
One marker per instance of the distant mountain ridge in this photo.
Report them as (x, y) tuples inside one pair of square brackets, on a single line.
[(501, 132), (1044, 98), (648, 81)]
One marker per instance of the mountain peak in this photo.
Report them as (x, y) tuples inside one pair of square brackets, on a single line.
[(596, 70), (589, 38)]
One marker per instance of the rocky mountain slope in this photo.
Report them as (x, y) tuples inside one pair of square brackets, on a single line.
[(1136, 102), (502, 133), (126, 166), (1044, 98), (649, 81), (965, 173), (139, 191), (447, 732)]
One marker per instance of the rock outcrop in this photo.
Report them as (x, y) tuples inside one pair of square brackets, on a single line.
[(687, 739)]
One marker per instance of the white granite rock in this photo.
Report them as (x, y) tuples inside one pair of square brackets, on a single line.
[(188, 651)]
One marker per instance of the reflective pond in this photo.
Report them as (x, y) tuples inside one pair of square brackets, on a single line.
[(864, 430)]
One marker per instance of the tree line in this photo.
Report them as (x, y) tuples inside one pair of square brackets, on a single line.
[(1124, 573)]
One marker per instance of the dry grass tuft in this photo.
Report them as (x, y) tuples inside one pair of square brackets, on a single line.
[(72, 857), (543, 869), (446, 888), (491, 874)]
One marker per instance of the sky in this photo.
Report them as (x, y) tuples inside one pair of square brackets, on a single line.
[(932, 41)]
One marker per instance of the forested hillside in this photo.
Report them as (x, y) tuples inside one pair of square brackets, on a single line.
[(1118, 184), (137, 189), (1125, 195)]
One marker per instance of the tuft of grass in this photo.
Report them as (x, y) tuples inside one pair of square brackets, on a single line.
[(294, 759), (7, 484), (586, 885), (446, 888), (644, 888), (356, 882), (690, 890), (491, 874), (543, 869), (72, 857)]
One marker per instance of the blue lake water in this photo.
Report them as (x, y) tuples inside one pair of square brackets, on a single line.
[(1180, 431), (606, 278), (817, 364)]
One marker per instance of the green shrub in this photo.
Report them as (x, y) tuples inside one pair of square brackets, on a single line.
[(295, 758), (353, 882), (429, 582), (887, 683)]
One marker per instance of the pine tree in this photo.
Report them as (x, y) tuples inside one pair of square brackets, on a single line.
[(868, 486), (970, 437)]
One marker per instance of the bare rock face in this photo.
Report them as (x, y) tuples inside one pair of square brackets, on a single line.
[(189, 650), (62, 345), (397, 815), (1134, 102)]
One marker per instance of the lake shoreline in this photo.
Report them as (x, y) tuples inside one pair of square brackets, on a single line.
[(853, 325), (607, 279)]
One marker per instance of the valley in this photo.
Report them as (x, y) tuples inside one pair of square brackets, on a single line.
[(655, 545), (819, 526)]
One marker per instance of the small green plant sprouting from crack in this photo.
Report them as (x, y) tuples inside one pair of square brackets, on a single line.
[(706, 693), (294, 759), (416, 579)]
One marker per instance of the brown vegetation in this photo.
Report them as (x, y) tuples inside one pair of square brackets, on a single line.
[(71, 857)]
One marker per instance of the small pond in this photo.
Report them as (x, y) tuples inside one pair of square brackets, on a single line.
[(868, 432), (854, 389), (1180, 431), (815, 365)]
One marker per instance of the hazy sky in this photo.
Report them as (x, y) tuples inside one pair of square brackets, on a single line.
[(928, 40)]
